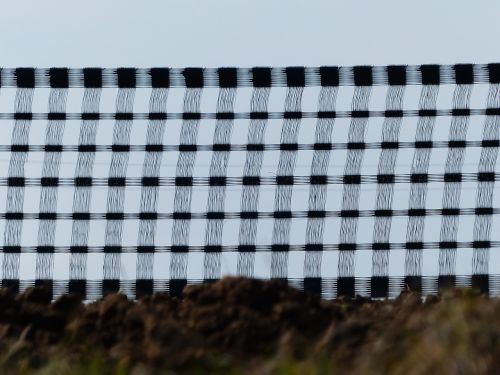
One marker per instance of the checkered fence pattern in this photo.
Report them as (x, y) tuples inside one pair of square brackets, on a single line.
[(338, 180)]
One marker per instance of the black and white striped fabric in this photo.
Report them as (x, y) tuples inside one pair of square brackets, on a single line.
[(339, 180)]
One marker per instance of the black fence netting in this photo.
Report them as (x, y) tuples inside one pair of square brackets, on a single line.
[(339, 180)]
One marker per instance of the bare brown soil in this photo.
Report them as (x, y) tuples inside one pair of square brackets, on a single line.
[(252, 326)]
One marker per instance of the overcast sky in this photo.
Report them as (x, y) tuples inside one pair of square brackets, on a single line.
[(247, 32)]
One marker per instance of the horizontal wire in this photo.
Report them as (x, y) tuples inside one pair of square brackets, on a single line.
[(248, 115), (493, 143), (246, 215), (252, 180), (252, 248), (210, 77)]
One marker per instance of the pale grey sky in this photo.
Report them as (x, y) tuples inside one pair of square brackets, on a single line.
[(247, 32)]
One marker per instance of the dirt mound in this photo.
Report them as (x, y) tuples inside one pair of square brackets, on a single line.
[(249, 324), (247, 315), (235, 315)]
